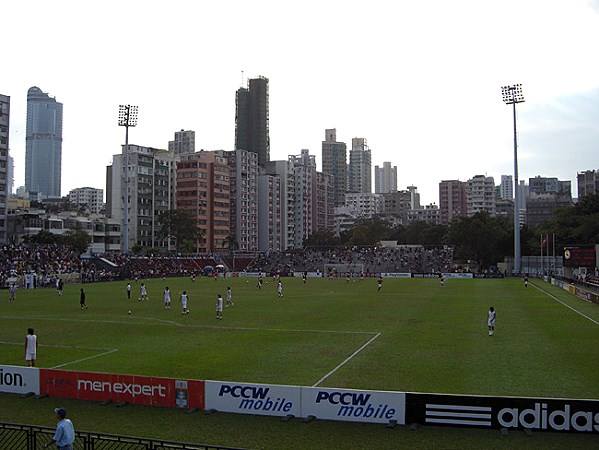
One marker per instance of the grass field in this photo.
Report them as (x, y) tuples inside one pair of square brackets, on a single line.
[(413, 335)]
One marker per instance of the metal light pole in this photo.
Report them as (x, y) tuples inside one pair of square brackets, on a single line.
[(511, 96), (127, 118)]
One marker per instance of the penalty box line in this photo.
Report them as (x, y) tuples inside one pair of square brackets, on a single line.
[(565, 304), (107, 351), (346, 360)]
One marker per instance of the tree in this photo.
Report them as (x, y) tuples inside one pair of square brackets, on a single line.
[(78, 239), (322, 238), (483, 238), (231, 243), (369, 232), (180, 224), (43, 237)]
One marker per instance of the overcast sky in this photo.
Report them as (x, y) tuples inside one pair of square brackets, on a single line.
[(420, 80)]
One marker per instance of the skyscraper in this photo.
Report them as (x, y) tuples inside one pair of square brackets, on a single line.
[(5, 166), (334, 162), (43, 145), (360, 167), (506, 188), (251, 119), (385, 178)]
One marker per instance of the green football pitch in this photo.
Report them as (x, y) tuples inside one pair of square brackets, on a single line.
[(414, 335)]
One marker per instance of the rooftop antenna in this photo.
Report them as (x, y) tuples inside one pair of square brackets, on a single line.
[(241, 78)]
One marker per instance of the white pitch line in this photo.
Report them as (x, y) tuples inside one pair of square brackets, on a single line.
[(566, 305), (57, 346), (85, 359), (346, 361), (208, 327)]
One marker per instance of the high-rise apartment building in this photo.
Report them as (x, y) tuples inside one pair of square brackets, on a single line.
[(364, 205), (414, 197), (270, 212), (243, 180), (588, 183), (397, 204), (360, 167), (5, 165), (151, 192), (545, 197), (185, 142), (480, 195), (452, 200), (43, 145), (203, 189), (506, 188), (251, 119), (323, 211), (284, 171), (89, 197), (385, 178), (304, 172), (334, 162)]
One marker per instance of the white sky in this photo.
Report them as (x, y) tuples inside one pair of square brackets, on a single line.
[(420, 80)]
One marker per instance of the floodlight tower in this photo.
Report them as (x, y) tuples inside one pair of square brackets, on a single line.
[(511, 96), (127, 118)]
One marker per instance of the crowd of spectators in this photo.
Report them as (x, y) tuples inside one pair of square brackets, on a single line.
[(413, 258)]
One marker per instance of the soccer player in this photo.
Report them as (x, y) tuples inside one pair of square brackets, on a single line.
[(143, 293), (379, 283), (184, 309), (259, 285), (280, 288), (82, 300), (128, 291), (491, 321), (442, 281), (30, 347), (12, 293), (361, 276), (229, 298), (305, 277), (526, 280), (167, 298), (347, 277), (219, 307)]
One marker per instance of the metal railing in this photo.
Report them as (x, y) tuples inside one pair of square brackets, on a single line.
[(31, 437)]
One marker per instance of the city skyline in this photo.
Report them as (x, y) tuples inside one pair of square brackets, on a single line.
[(423, 88)]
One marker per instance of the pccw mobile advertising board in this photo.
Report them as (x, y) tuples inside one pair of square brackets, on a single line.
[(260, 399), (353, 405), (134, 389), (539, 414)]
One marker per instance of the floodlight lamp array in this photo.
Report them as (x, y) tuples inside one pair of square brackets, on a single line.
[(512, 94), (127, 115)]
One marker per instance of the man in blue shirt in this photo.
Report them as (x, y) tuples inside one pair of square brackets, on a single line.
[(65, 432)]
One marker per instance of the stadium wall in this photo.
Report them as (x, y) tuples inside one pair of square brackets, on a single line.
[(539, 414)]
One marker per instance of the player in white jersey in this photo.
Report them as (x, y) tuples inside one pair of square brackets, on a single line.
[(229, 298), (280, 288), (491, 321), (30, 347), (184, 309), (167, 298), (219, 307), (128, 291), (143, 293)]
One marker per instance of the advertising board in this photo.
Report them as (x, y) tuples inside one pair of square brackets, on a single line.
[(539, 414), (19, 380), (261, 399), (134, 389), (354, 406)]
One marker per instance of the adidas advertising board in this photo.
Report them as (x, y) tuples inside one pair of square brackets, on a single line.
[(261, 399), (354, 406), (537, 414), (19, 380)]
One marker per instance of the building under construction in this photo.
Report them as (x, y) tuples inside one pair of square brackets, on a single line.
[(251, 119)]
